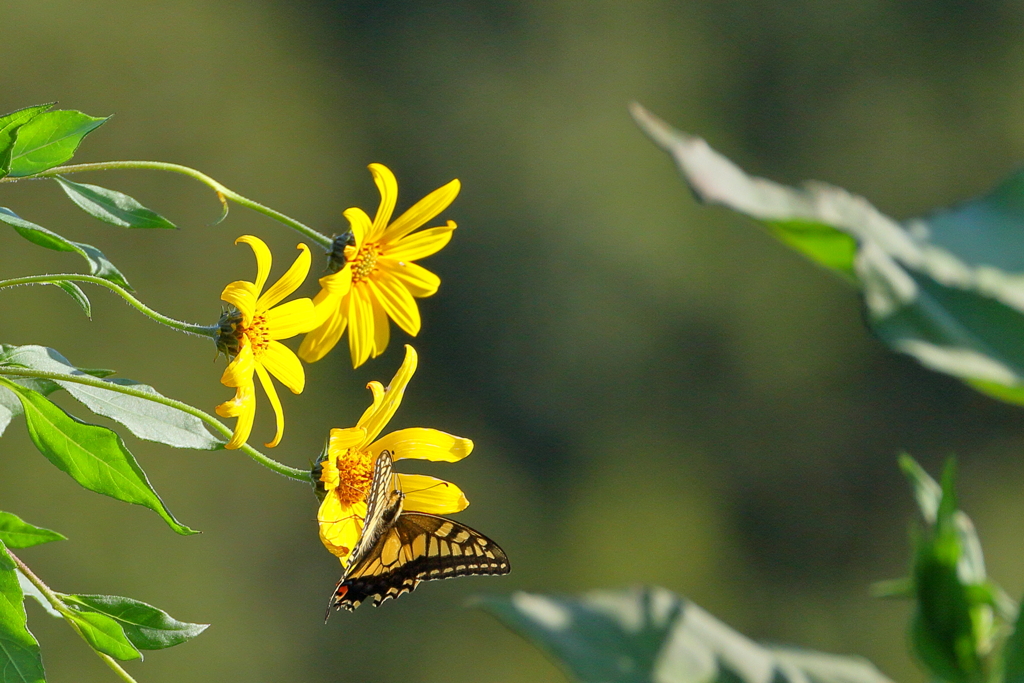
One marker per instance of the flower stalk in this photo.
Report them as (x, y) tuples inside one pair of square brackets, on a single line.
[(223, 193), (209, 331)]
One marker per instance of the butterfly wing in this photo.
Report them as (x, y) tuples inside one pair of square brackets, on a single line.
[(383, 504), (418, 547)]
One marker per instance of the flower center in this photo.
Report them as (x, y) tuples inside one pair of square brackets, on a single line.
[(355, 473), (258, 333), (365, 262)]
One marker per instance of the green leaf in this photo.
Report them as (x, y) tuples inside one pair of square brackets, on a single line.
[(76, 293), (147, 627), (93, 456), (17, 533), (947, 289), (99, 265), (145, 419), (953, 626), (640, 635), (49, 140), (104, 635), (30, 591), (20, 660), (112, 207), (1013, 653), (9, 125)]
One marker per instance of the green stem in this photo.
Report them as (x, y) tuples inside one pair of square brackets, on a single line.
[(269, 463), (222, 192), (66, 612), (210, 331)]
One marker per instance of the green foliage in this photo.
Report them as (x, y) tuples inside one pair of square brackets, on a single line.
[(9, 125), (103, 634), (77, 295), (145, 626), (640, 635), (17, 533), (960, 614), (99, 265), (945, 289), (20, 659), (93, 456), (112, 207), (145, 419), (49, 139)]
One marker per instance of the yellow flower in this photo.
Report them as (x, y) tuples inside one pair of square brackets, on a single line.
[(379, 279), (250, 333), (347, 469)]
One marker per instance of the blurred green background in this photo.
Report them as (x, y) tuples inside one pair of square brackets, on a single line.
[(659, 393)]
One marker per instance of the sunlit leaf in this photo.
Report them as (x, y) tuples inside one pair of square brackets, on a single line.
[(76, 293), (30, 591), (147, 627), (93, 456), (20, 661), (99, 265), (641, 635), (17, 533), (9, 125), (947, 289), (145, 419), (953, 626), (104, 635), (926, 490), (112, 207), (1013, 653), (50, 139)]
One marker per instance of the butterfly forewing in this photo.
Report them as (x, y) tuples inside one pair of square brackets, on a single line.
[(383, 504)]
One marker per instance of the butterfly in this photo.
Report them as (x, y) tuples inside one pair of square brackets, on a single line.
[(399, 550)]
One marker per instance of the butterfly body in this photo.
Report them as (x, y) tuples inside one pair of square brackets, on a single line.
[(397, 550)]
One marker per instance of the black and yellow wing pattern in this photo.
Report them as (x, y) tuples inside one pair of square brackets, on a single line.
[(399, 550)]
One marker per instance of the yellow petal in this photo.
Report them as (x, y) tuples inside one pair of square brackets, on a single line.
[(381, 326), (288, 282), (340, 526), (421, 212), (291, 318), (317, 343), (263, 259), (242, 406), (422, 244), (430, 495), (268, 387), (388, 188), (343, 439), (338, 283), (377, 390), (239, 371), (397, 301), (359, 223), (241, 295), (418, 280), (283, 364), (376, 421), (423, 444), (360, 325)]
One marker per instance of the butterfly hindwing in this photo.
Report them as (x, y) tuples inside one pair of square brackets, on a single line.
[(419, 547), (399, 550)]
